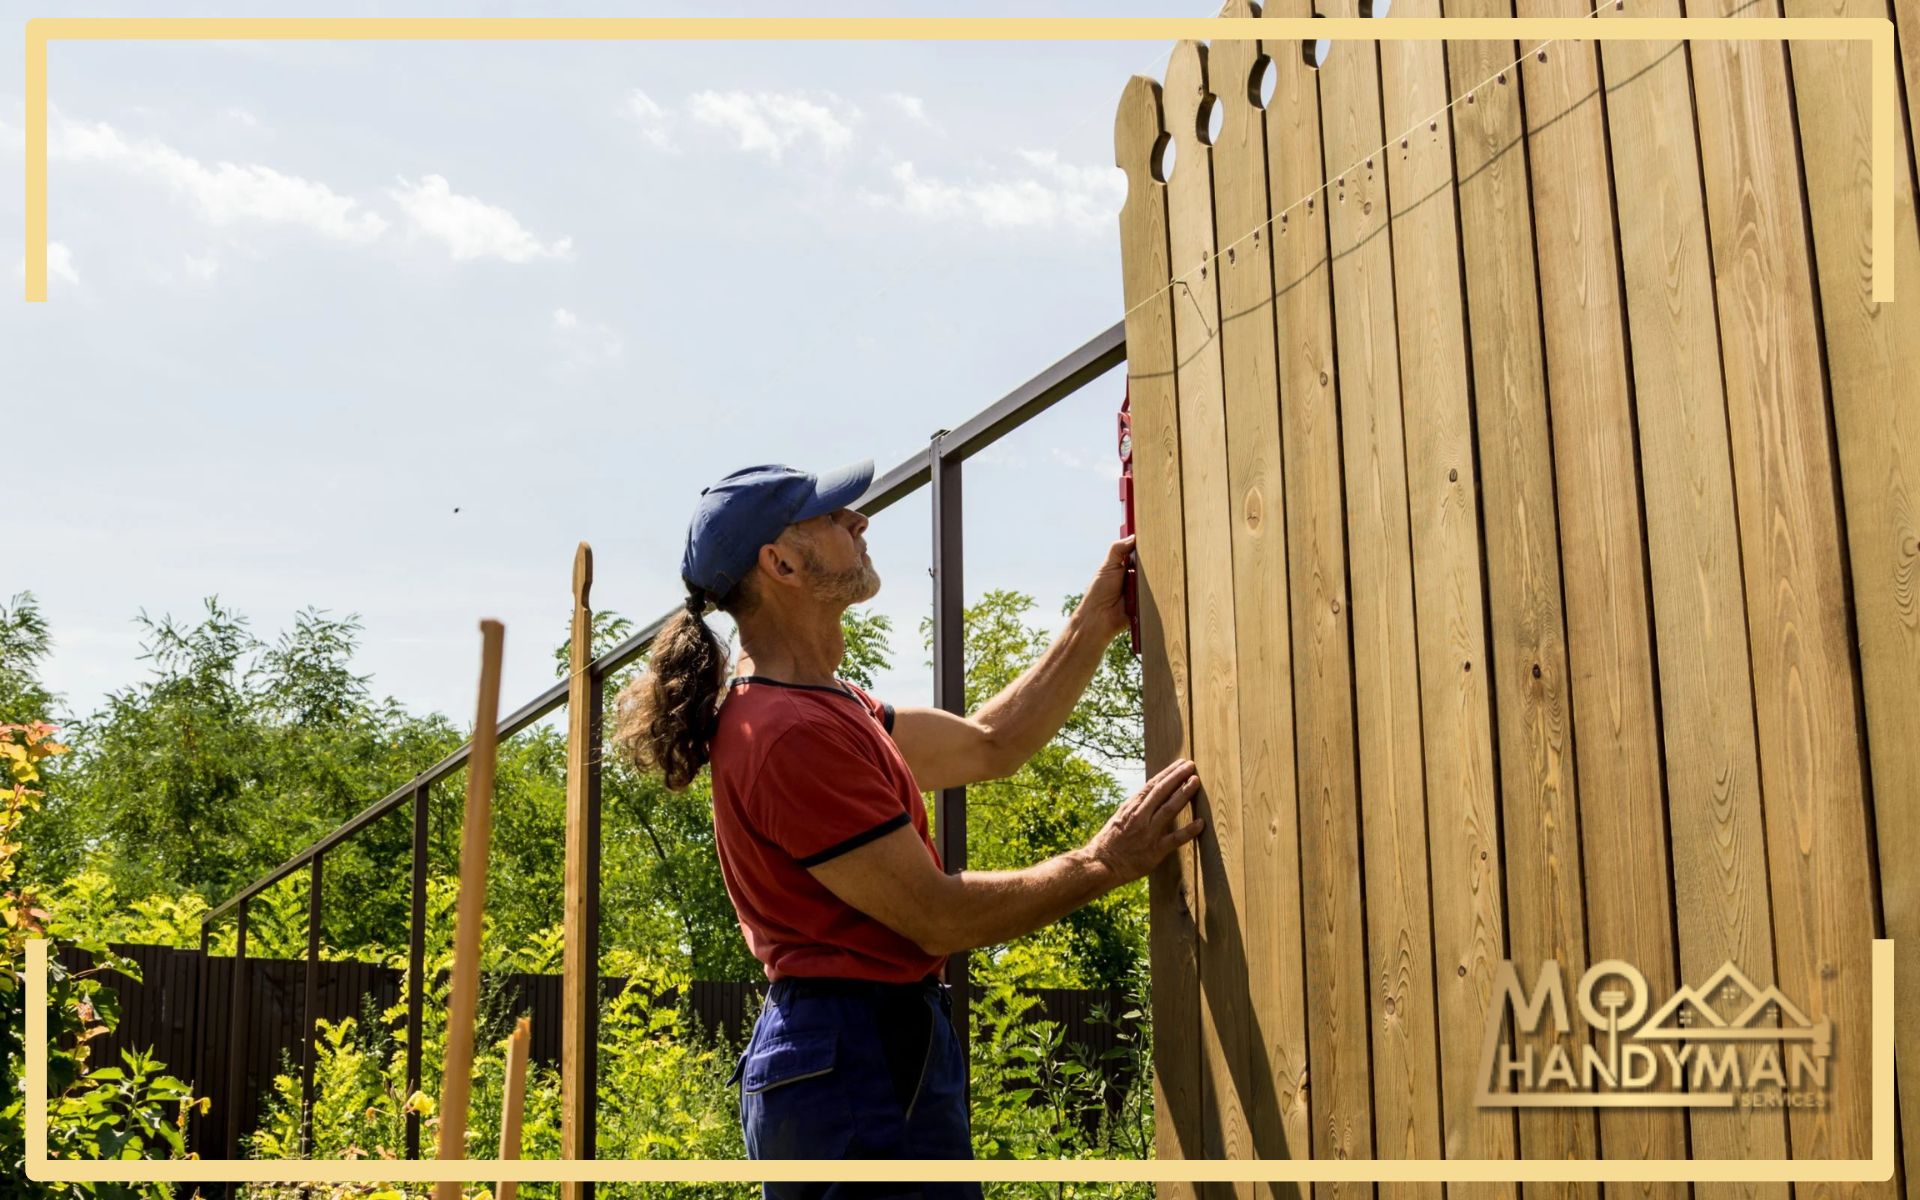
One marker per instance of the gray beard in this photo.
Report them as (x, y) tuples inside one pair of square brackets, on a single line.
[(851, 586)]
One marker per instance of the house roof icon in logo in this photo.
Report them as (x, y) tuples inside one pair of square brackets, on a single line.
[(1786, 1012), (1686, 1012), (1761, 1012)]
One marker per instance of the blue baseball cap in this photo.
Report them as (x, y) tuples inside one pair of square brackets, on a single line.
[(749, 508)]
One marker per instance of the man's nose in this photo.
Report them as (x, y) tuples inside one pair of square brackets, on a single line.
[(859, 521)]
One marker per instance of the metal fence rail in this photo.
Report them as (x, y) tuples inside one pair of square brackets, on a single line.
[(939, 465)]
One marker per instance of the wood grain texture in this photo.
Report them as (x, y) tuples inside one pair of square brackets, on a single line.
[(513, 1101), (1538, 560), (463, 992), (1273, 1084), (1546, 801), (1718, 837), (1208, 511), (1398, 922), (1339, 962), (1803, 679), (1906, 17), (1873, 361), (1609, 653), (1458, 818), (1160, 546), (580, 912)]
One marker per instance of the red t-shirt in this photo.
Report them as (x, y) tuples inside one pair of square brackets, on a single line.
[(802, 773)]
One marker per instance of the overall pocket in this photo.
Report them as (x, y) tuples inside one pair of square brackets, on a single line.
[(793, 1098), (789, 1058)]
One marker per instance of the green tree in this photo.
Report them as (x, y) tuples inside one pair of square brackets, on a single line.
[(1057, 800), (24, 645), (231, 756), (132, 1109)]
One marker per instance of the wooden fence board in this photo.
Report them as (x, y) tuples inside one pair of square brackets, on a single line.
[(1173, 888), (1907, 21), (1546, 909), (1276, 1041), (1210, 607), (1719, 853), (1873, 361), (1316, 571), (1616, 738), (1385, 669), (1414, 830), (1803, 676)]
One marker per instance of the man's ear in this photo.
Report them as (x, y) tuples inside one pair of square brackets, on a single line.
[(775, 561)]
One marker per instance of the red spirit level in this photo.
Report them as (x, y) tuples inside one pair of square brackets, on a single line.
[(1130, 588)]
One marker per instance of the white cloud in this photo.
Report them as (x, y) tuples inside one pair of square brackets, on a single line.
[(59, 265), (584, 344), (202, 267), (652, 120), (770, 123), (242, 117), (1048, 194), (224, 192), (471, 228), (913, 106)]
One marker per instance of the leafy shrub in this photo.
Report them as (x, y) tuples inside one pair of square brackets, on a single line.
[(1036, 1097), (133, 1110), (663, 1087)]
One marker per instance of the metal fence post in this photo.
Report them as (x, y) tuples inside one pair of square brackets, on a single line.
[(309, 1003), (416, 965), (950, 691), (240, 998), (197, 1131)]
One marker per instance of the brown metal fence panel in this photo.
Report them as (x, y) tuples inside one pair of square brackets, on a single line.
[(159, 1014)]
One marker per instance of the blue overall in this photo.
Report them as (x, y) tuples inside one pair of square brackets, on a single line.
[(841, 1068)]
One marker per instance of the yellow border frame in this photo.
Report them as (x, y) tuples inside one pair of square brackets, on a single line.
[(1144, 1170), (1879, 31)]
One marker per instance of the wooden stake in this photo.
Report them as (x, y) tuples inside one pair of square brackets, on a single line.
[(513, 1107), (457, 1085), (580, 967)]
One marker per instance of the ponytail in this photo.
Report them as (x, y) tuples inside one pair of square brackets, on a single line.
[(665, 719)]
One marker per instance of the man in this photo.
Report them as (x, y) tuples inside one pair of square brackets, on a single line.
[(822, 833)]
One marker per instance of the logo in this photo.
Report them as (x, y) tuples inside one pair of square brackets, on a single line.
[(1722, 1044)]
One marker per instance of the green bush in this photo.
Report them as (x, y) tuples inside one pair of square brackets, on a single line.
[(133, 1110), (664, 1090)]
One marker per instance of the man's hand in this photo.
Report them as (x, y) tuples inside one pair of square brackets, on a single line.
[(1141, 831), (1104, 608), (893, 878)]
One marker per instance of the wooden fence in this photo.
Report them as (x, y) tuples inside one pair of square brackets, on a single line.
[(1529, 516), (159, 1015)]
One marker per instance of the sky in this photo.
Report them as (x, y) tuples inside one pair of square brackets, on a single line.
[(387, 329)]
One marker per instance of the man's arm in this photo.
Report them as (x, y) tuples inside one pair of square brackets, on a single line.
[(893, 880), (947, 750)]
